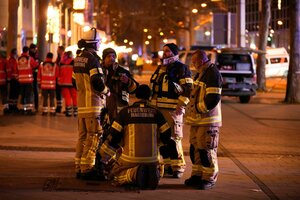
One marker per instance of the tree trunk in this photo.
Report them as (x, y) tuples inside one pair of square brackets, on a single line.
[(293, 79), (265, 16), (42, 28), (12, 31)]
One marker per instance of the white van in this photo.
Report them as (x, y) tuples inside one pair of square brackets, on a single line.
[(277, 62)]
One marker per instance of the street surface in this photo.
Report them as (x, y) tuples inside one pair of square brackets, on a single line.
[(258, 154)]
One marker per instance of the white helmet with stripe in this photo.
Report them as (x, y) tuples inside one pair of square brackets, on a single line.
[(91, 36)]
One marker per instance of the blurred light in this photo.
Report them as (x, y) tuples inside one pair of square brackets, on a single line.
[(103, 39), (279, 22), (161, 33), (4, 28), (271, 35), (130, 43), (207, 33), (78, 4), (78, 18), (165, 41), (145, 30), (279, 4), (53, 25), (160, 53), (147, 42), (125, 41), (149, 37), (210, 13), (69, 33), (86, 28), (195, 10), (203, 5), (172, 32), (272, 31), (134, 57), (269, 39), (252, 46)]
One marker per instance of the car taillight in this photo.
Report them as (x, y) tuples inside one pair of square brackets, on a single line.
[(226, 67)]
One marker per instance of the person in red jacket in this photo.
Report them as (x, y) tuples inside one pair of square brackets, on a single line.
[(26, 65), (67, 83), (3, 83), (47, 75), (14, 90)]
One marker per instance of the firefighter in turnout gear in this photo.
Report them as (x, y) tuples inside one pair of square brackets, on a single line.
[(204, 116), (138, 130), (119, 81), (171, 85), (91, 94), (47, 75)]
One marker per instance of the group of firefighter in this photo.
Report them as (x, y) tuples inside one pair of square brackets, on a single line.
[(22, 77), (139, 143)]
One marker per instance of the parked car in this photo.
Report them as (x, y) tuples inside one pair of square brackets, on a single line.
[(236, 66), (277, 62)]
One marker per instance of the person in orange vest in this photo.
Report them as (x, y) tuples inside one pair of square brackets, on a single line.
[(4, 79), (47, 74), (26, 65), (14, 90), (67, 83)]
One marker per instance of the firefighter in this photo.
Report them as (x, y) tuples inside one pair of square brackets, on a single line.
[(26, 65), (171, 85), (204, 116), (119, 81), (4, 80), (67, 83), (47, 75), (92, 91), (59, 100), (138, 130)]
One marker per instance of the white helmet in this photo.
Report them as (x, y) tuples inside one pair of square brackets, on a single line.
[(91, 36)]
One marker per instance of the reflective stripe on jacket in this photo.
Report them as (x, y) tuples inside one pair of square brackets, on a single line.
[(209, 82)]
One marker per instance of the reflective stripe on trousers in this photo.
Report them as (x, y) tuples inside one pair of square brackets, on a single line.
[(203, 152)]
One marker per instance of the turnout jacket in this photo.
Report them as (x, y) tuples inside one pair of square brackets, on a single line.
[(204, 108), (90, 83), (163, 83), (138, 129)]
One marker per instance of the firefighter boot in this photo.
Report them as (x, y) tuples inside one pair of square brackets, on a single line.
[(193, 181), (141, 176), (153, 177)]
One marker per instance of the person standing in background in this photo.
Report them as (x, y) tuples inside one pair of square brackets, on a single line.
[(47, 75), (4, 82), (26, 65), (59, 100), (14, 83), (66, 81), (33, 53)]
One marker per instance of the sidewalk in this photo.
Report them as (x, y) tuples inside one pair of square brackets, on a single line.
[(258, 157)]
